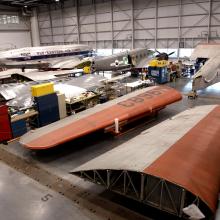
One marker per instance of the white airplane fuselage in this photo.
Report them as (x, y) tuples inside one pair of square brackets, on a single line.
[(45, 52)]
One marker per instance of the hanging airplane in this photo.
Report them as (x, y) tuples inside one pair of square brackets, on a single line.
[(45, 57), (209, 73)]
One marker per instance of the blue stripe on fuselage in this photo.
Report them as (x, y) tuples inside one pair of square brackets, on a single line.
[(86, 53)]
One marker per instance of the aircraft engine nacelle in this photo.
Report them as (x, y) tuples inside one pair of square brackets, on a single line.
[(116, 63)]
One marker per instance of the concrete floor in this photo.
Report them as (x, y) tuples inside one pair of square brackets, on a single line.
[(87, 200), (22, 198)]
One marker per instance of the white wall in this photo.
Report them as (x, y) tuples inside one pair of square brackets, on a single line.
[(14, 39), (14, 35), (149, 23)]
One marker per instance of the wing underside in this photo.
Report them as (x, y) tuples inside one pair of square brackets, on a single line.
[(69, 62), (208, 75)]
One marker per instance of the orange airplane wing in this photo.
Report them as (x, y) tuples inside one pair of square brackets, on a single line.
[(126, 108)]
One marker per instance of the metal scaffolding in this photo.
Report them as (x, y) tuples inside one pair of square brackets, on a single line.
[(147, 189)]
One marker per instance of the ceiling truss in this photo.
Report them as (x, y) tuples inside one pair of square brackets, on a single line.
[(28, 3)]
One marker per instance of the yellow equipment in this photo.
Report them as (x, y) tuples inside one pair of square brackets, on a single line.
[(42, 89), (158, 63), (87, 69)]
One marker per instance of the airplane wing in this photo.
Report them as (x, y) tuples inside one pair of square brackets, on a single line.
[(205, 51), (23, 64), (208, 75), (18, 95), (175, 159), (69, 62), (7, 73), (126, 108), (46, 75)]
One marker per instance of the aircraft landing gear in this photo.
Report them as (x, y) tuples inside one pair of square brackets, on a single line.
[(192, 94)]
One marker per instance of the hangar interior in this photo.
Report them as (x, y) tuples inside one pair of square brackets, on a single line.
[(119, 24), (109, 109)]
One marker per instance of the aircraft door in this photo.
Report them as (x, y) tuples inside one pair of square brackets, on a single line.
[(134, 59), (129, 59)]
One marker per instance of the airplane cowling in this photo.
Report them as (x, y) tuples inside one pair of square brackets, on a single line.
[(116, 63)]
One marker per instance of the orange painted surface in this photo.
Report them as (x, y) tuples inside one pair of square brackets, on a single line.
[(144, 103), (193, 162)]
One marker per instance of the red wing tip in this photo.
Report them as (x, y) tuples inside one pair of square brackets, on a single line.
[(31, 147)]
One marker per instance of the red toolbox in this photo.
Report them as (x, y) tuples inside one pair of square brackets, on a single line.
[(5, 127)]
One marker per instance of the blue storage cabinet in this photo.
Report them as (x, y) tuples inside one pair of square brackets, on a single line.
[(159, 73), (48, 109), (18, 128)]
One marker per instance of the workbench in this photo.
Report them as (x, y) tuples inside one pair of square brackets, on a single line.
[(30, 119), (74, 106), (136, 85), (24, 116)]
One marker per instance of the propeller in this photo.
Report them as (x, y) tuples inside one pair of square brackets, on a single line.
[(171, 53), (163, 56)]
